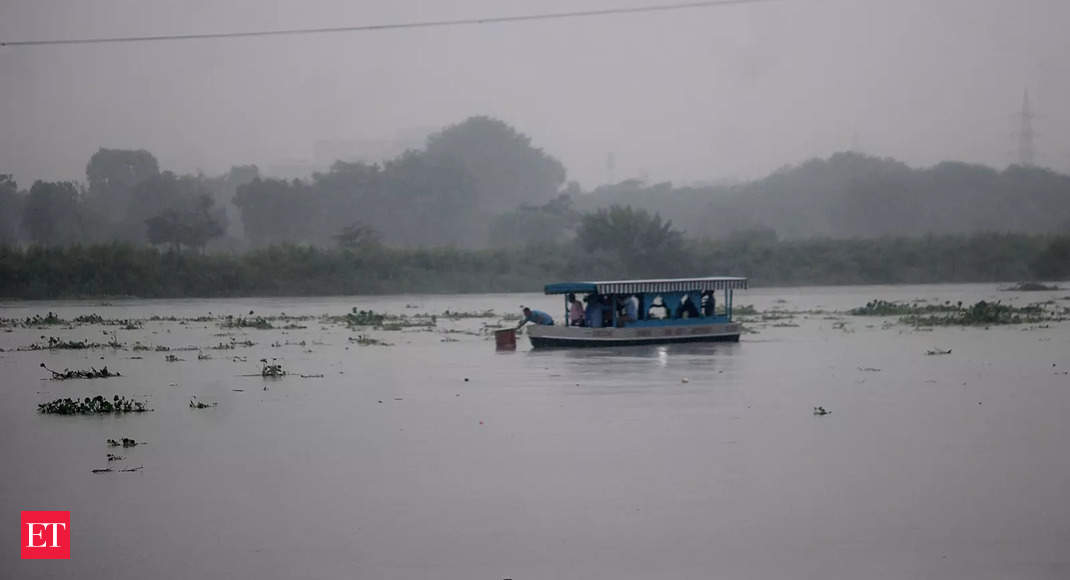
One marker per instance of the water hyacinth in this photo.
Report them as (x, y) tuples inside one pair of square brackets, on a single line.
[(97, 405)]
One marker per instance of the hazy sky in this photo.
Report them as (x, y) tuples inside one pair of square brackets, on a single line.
[(706, 94)]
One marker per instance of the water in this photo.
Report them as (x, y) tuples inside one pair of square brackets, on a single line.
[(551, 464)]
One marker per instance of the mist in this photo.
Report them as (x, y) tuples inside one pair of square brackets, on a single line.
[(727, 93)]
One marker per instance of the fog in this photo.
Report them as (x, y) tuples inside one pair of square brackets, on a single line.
[(713, 94)]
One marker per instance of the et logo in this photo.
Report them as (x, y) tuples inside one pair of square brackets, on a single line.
[(46, 535)]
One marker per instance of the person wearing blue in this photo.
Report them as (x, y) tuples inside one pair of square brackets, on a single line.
[(631, 309), (593, 312), (536, 316)]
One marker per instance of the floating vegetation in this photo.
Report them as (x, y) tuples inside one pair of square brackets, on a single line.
[(124, 442), (113, 340), (92, 406), (55, 343), (233, 344), (991, 313), (173, 358), (1031, 287), (258, 322), (887, 308), (114, 457), (364, 340), (364, 318), (199, 405), (48, 319), (744, 310), (89, 319), (819, 410), (92, 373), (937, 352), (272, 369), (110, 470), (453, 315), (204, 356)]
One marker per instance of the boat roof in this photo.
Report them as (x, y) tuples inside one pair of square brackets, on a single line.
[(643, 286)]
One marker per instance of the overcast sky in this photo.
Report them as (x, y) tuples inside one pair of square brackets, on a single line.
[(706, 94)]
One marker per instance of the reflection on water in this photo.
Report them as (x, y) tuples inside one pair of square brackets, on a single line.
[(433, 459)]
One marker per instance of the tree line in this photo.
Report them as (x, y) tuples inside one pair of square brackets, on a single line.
[(615, 243), (482, 184)]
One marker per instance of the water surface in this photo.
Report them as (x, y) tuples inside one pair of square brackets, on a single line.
[(440, 458)]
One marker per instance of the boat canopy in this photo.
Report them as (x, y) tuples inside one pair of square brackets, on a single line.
[(649, 286)]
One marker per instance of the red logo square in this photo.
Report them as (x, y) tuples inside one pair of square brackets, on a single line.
[(46, 535)]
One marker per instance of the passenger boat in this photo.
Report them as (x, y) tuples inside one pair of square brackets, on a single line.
[(667, 311)]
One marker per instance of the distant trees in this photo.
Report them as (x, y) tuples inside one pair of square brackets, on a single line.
[(112, 175), (553, 221), (54, 213), (192, 226), (638, 242), (1053, 263), (358, 236), (444, 194), (506, 171), (10, 209), (853, 195)]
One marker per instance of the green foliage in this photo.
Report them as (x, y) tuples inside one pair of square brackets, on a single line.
[(54, 213), (192, 226), (853, 195), (506, 171), (113, 174), (11, 203), (97, 405), (886, 308), (639, 242), (985, 313), (1053, 263), (289, 270), (528, 225)]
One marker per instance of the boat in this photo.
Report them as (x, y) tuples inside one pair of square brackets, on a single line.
[(667, 311)]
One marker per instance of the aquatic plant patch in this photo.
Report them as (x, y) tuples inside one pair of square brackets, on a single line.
[(97, 405)]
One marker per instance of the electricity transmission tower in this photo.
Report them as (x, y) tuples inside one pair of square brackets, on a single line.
[(1026, 149)]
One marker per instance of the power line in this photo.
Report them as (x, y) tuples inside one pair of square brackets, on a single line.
[(394, 26)]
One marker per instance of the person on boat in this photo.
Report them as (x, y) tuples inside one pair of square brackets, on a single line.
[(576, 315), (631, 310), (537, 317), (709, 303), (592, 315), (659, 302), (687, 307)]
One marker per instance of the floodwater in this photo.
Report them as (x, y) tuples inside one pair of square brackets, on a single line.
[(439, 458)]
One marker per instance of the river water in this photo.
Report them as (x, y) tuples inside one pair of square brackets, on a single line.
[(438, 457)]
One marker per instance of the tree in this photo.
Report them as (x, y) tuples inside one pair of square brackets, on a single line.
[(1053, 263), (10, 209), (193, 226), (527, 225), (358, 236), (642, 244), (506, 170), (112, 175), (53, 213), (274, 210)]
